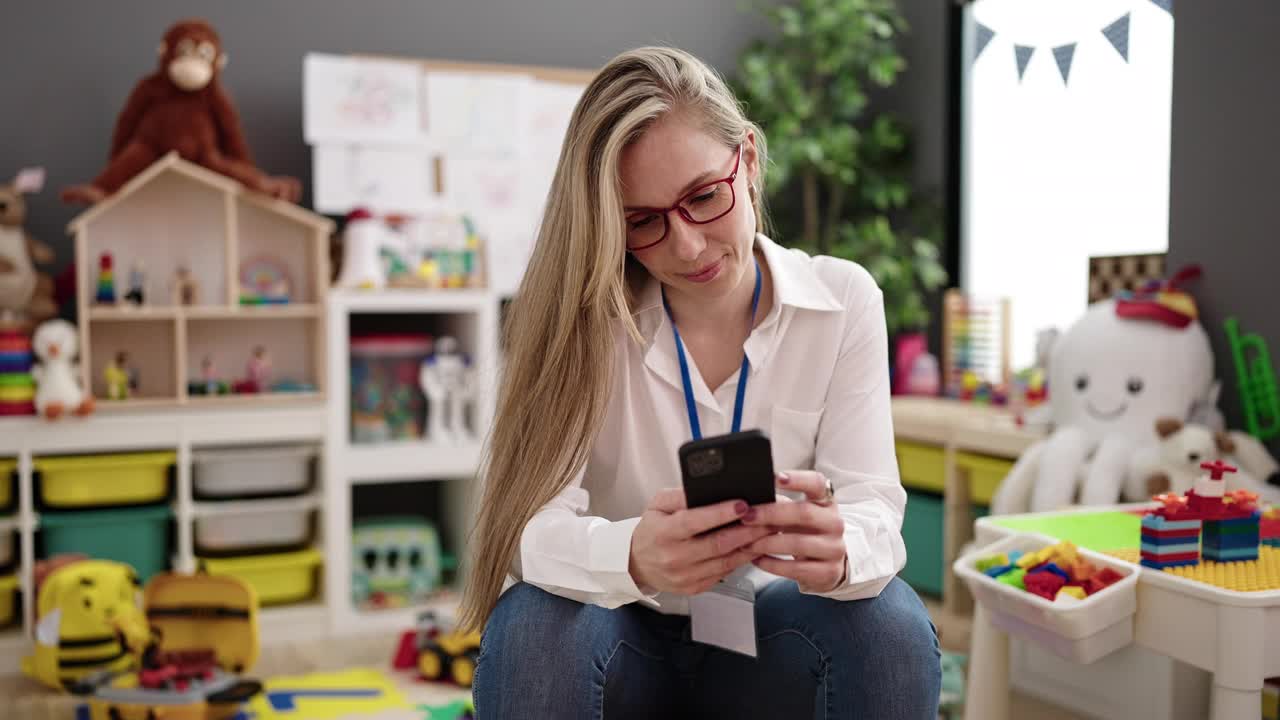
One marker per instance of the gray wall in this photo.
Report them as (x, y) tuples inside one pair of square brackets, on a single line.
[(1225, 188), (70, 65)]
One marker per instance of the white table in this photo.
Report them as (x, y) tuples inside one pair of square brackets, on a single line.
[(1233, 635)]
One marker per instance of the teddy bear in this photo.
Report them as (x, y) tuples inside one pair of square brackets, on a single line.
[(1172, 464), (26, 296)]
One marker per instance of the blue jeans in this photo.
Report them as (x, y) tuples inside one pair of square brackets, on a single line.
[(544, 656)]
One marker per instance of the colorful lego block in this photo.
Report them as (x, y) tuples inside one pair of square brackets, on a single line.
[(1074, 591)]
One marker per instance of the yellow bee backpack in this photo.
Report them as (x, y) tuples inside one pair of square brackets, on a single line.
[(89, 618)]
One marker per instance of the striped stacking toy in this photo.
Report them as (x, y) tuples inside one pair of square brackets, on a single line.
[(1169, 543), (1234, 539), (17, 388)]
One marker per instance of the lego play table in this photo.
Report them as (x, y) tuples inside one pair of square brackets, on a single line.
[(1191, 615)]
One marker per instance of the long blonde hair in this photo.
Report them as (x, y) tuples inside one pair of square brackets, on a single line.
[(554, 390)]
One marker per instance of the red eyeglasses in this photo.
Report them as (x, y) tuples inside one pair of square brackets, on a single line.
[(706, 203)]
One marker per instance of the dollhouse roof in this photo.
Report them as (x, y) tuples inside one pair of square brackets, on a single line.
[(174, 163)]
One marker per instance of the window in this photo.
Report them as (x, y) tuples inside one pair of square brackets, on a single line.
[(1066, 116)]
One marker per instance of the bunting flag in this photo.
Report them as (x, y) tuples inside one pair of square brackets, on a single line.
[(984, 36), (1023, 54), (1117, 33), (1063, 54)]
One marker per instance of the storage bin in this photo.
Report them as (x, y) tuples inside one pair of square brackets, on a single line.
[(922, 534), (386, 398), (249, 472), (8, 485), (254, 532), (119, 479), (1082, 631), (278, 579), (136, 536), (922, 467), (985, 475), (7, 547), (8, 599)]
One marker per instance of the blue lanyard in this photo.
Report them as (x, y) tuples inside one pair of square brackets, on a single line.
[(684, 367)]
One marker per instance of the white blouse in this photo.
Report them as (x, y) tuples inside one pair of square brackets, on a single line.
[(819, 388)]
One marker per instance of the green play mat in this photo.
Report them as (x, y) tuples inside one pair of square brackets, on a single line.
[(1100, 531)]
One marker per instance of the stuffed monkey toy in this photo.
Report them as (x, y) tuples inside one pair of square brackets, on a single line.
[(182, 107), (26, 296)]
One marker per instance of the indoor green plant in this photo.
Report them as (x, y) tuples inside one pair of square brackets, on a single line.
[(838, 176)]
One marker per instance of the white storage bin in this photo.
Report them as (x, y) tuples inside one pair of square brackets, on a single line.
[(252, 471), (250, 531), (1083, 631)]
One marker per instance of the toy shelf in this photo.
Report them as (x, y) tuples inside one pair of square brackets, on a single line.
[(470, 316), (256, 271), (408, 460), (182, 431)]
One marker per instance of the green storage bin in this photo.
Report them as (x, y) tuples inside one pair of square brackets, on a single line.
[(922, 529), (136, 536), (922, 533)]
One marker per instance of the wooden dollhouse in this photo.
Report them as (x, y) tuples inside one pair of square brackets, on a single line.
[(201, 292)]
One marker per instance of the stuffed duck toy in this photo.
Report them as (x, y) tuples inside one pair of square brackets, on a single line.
[(57, 375)]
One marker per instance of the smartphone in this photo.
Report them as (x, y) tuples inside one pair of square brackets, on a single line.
[(735, 466)]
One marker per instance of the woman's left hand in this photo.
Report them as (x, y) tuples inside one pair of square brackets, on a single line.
[(810, 531)]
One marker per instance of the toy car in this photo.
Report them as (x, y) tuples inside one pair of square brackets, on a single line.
[(450, 656)]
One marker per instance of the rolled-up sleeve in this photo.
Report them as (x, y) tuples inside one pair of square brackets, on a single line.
[(855, 449), (583, 558)]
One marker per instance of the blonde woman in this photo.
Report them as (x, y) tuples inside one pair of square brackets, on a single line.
[(649, 303)]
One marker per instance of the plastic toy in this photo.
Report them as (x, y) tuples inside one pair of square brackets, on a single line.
[(1112, 378), (386, 400), (396, 562), (363, 242), (88, 620), (106, 294), (203, 635), (57, 376), (17, 387), (182, 107), (1056, 572), (440, 655), (1256, 378), (264, 281), (118, 377), (448, 380), (186, 291), (1222, 524), (25, 292), (257, 372), (137, 293)]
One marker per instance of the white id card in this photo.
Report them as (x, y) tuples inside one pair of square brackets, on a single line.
[(725, 616)]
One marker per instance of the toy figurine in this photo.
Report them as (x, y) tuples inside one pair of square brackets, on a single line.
[(58, 376), (448, 382), (258, 371), (209, 376), (118, 377), (185, 289), (106, 294), (137, 284)]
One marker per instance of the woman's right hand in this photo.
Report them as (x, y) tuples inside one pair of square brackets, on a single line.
[(668, 555)]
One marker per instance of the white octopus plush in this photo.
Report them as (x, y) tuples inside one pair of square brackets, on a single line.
[(1110, 378)]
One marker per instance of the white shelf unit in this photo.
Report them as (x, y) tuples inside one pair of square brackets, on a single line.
[(472, 317), (180, 430)]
